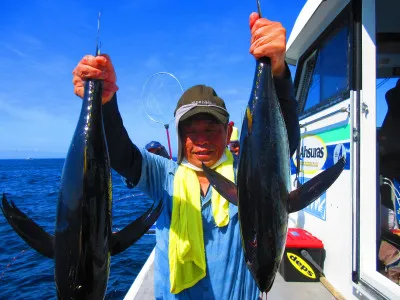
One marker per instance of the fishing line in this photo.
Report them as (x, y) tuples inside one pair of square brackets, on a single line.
[(395, 193), (98, 42), (390, 183), (13, 260), (383, 81), (395, 198), (135, 194), (394, 190)]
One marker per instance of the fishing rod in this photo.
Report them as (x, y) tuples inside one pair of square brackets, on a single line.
[(259, 8), (335, 293), (98, 42)]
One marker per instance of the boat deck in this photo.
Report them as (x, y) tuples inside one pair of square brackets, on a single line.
[(142, 288)]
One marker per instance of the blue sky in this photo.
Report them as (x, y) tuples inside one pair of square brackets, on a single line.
[(200, 42)]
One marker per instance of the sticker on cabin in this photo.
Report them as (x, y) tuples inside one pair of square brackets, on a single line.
[(300, 265), (339, 151), (313, 154), (318, 207)]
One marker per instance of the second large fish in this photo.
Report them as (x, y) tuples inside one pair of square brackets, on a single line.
[(263, 180)]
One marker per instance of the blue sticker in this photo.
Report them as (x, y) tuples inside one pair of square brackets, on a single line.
[(318, 207)]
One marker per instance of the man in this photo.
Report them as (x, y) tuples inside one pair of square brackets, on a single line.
[(198, 252), (234, 144), (156, 148)]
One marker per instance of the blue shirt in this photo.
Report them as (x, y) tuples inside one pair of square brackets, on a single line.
[(227, 274)]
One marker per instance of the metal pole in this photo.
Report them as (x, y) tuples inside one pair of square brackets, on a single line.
[(169, 141)]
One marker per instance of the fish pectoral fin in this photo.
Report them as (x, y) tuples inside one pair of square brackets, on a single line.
[(222, 185), (315, 187), (126, 237), (34, 235)]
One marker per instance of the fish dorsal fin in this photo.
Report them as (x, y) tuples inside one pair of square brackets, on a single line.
[(315, 187), (222, 185), (126, 237), (34, 235)]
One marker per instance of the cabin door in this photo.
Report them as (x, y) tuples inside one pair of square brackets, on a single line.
[(375, 138)]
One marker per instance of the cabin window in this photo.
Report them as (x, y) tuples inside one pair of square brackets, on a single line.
[(325, 73)]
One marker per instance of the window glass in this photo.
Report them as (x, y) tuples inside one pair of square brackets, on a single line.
[(325, 73)]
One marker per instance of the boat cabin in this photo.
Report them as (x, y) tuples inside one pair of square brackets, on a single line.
[(347, 60)]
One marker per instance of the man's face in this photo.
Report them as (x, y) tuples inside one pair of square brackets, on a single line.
[(204, 139), (234, 147)]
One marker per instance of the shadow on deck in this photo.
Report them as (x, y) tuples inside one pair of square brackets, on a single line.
[(142, 288)]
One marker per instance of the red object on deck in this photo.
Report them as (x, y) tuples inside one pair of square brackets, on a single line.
[(300, 238)]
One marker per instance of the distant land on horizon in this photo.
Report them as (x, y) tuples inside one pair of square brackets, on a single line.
[(38, 158), (34, 155), (31, 158)]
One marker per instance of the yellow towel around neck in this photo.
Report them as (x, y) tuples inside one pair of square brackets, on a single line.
[(187, 262)]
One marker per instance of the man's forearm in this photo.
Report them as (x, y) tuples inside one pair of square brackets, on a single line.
[(285, 93), (125, 157)]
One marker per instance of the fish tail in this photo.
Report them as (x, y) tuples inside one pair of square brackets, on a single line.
[(34, 235)]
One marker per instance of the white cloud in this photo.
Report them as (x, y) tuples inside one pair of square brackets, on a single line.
[(29, 41), (35, 128), (154, 63), (16, 51)]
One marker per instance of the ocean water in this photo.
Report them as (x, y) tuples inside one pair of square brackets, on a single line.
[(33, 186)]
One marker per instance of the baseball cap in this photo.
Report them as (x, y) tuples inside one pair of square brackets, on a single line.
[(202, 99), (195, 100), (152, 145)]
